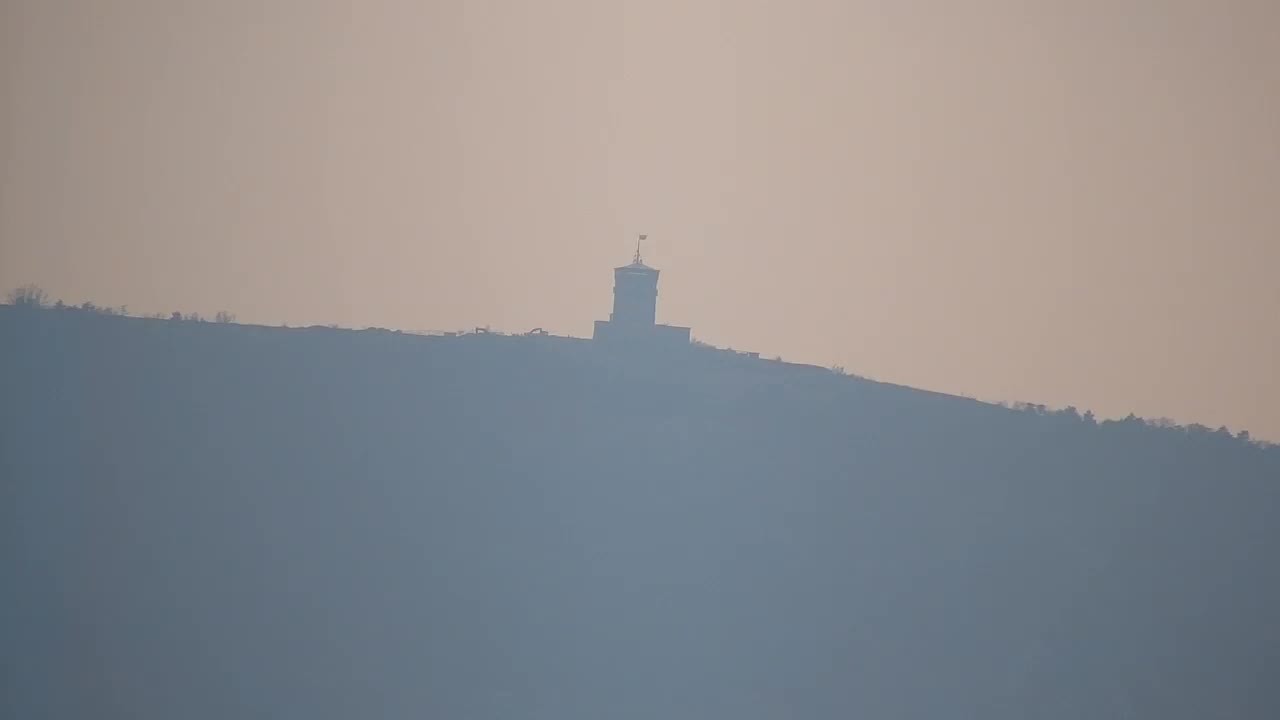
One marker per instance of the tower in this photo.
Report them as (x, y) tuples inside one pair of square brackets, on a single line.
[(635, 292), (633, 322)]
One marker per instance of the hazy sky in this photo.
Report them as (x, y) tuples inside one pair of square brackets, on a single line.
[(1067, 202)]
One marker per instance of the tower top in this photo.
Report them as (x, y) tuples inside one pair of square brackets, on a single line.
[(637, 262)]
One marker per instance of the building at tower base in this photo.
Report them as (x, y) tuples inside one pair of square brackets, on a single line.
[(641, 335)]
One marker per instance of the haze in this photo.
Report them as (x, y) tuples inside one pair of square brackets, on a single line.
[(1066, 203)]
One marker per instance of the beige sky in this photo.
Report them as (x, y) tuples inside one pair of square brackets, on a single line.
[(1066, 203)]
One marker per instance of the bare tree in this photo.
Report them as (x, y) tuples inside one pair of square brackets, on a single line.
[(224, 317), (29, 296)]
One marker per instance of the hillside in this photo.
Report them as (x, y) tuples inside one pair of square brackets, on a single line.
[(207, 520)]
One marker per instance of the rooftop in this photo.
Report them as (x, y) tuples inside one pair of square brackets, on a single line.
[(637, 265)]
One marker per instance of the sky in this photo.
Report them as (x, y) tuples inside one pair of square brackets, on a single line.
[(1067, 203)]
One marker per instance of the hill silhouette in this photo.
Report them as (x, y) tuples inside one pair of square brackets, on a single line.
[(210, 520)]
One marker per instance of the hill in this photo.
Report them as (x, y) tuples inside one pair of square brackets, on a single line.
[(218, 520)]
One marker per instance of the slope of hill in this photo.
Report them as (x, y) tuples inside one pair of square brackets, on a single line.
[(214, 520)]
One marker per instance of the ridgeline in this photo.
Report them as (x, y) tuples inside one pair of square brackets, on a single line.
[(211, 520)]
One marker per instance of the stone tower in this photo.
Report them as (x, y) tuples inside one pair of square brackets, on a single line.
[(635, 293), (635, 305)]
